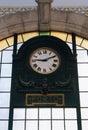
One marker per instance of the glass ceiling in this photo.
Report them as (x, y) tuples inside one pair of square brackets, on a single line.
[(7, 42)]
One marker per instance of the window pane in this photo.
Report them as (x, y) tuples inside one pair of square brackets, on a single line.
[(7, 57), (18, 125), (57, 113), (32, 113), (83, 69), (19, 45), (44, 113), (4, 113), (85, 125), (32, 125), (10, 48), (4, 125), (84, 113), (82, 56), (84, 99), (19, 113), (0, 57), (70, 113), (4, 99), (58, 125), (71, 125), (83, 84), (5, 84), (45, 125), (6, 70)]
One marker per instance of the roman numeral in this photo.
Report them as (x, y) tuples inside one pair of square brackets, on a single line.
[(44, 70), (34, 60), (50, 53), (50, 69), (54, 65), (34, 56), (39, 69), (35, 65), (55, 60), (44, 52), (40, 53)]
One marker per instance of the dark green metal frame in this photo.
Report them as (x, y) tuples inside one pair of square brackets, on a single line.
[(20, 62)]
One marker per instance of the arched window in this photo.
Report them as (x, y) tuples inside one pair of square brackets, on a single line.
[(42, 118)]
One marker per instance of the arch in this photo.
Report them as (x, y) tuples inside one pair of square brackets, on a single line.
[(22, 22)]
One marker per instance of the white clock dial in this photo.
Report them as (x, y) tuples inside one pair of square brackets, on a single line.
[(44, 60)]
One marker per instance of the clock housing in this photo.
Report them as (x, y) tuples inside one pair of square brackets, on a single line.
[(46, 64)]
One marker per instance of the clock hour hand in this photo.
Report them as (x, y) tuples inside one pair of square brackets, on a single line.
[(34, 60)]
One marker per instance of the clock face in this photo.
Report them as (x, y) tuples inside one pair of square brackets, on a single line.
[(44, 60)]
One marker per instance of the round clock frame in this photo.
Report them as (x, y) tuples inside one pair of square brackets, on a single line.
[(44, 60)]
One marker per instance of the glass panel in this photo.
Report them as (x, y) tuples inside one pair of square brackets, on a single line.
[(83, 69), (85, 125), (70, 45), (19, 38), (79, 48), (7, 57), (19, 45), (32, 125), (3, 44), (69, 38), (19, 113), (5, 84), (70, 113), (44, 33), (32, 113), (84, 113), (82, 56), (10, 40), (4, 99), (85, 44), (4, 113), (18, 125), (57, 125), (60, 35), (57, 113), (6, 70), (44, 113), (4, 125), (10, 48), (83, 84), (71, 125), (0, 57), (78, 40), (45, 125), (27, 36), (84, 99)]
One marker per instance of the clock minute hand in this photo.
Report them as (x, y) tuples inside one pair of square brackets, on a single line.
[(50, 57), (43, 60)]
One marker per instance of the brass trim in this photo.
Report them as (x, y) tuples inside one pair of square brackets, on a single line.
[(45, 103)]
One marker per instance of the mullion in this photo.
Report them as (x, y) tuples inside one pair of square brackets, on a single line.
[(51, 119), (38, 119), (25, 119), (1, 62), (64, 118)]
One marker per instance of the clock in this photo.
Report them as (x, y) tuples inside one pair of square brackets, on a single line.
[(44, 60)]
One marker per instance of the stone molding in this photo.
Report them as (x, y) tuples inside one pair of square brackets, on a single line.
[(27, 21)]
